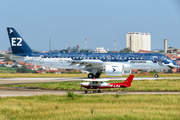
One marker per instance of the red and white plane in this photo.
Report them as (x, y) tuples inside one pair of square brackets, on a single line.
[(101, 84)]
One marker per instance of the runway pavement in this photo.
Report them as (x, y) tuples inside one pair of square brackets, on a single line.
[(8, 92), (6, 81), (13, 92)]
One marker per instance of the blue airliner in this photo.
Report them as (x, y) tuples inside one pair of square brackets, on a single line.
[(113, 64)]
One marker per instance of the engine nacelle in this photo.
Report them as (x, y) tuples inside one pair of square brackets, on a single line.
[(127, 72), (114, 70)]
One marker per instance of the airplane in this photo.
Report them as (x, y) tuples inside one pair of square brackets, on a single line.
[(101, 84), (113, 64)]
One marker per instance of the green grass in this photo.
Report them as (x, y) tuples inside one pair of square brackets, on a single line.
[(90, 107), (7, 70), (137, 85)]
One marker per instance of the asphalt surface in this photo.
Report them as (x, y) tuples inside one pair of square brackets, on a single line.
[(9, 92), (25, 92), (6, 81)]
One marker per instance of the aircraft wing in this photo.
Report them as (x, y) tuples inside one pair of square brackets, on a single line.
[(14, 57), (85, 62), (96, 79)]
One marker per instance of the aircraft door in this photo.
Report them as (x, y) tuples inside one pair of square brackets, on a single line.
[(60, 61), (154, 59), (41, 59), (160, 59)]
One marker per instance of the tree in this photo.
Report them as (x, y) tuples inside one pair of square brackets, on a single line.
[(24, 69), (169, 51), (175, 50), (55, 51), (170, 71), (121, 51), (63, 50), (161, 51), (125, 50), (84, 51)]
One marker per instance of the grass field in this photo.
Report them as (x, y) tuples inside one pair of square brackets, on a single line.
[(137, 85), (35, 75), (7, 70), (89, 107)]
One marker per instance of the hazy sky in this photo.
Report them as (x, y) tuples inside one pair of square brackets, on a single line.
[(101, 21)]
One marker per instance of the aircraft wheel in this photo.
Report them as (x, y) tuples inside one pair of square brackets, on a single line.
[(97, 75), (99, 91), (94, 91), (90, 75), (85, 91), (156, 76)]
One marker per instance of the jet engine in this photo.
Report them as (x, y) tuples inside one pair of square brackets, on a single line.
[(114, 70)]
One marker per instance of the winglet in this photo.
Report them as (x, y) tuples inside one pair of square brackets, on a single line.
[(129, 80)]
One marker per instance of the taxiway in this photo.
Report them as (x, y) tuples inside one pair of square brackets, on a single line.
[(9, 92)]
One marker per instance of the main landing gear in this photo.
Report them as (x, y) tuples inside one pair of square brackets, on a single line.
[(91, 75), (94, 91), (156, 75)]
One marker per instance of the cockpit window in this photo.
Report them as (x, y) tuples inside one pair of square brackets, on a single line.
[(167, 57)]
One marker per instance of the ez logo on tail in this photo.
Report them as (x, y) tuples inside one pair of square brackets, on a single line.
[(16, 41)]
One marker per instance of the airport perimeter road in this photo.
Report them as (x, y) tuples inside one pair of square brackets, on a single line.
[(6, 81), (12, 92)]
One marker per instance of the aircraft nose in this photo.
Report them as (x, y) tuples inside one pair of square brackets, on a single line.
[(175, 64)]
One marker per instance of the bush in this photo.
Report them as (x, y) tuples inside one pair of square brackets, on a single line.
[(70, 94)]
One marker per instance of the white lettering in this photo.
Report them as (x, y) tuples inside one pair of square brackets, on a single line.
[(19, 43), (14, 43)]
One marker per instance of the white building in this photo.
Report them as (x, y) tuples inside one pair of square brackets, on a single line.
[(138, 41), (100, 50)]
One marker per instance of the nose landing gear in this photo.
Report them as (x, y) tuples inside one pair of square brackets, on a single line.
[(156, 75)]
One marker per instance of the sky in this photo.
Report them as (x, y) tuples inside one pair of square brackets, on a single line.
[(100, 21)]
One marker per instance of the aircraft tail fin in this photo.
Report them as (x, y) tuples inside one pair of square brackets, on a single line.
[(17, 43), (129, 80)]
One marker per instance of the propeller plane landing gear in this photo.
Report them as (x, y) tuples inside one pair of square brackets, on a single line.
[(94, 91)]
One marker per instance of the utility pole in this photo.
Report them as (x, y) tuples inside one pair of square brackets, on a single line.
[(49, 44), (114, 45)]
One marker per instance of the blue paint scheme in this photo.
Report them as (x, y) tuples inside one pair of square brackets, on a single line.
[(128, 60), (17, 49)]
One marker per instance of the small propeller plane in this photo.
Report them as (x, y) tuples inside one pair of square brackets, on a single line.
[(101, 84)]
